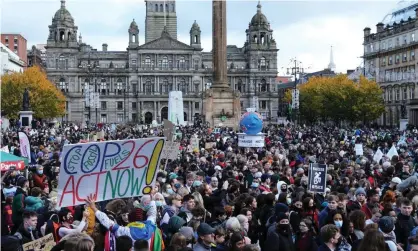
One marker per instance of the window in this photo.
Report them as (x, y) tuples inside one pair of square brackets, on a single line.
[(390, 95), (390, 60), (15, 46), (147, 62), (397, 41), (241, 103), (398, 94), (134, 105), (411, 92), (196, 64), (412, 37), (263, 63), (165, 86), (383, 61), (196, 105), (119, 105), (263, 104), (103, 118), (119, 87), (119, 117), (383, 45), (133, 63), (238, 87), (405, 94), (62, 85), (182, 63), (148, 87), (134, 117), (397, 59), (103, 105), (164, 64), (134, 88), (390, 44), (62, 63), (405, 40), (183, 86), (371, 47), (263, 86), (404, 57), (412, 55), (103, 87)]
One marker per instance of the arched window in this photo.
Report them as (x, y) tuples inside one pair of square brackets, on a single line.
[(195, 39), (161, 8), (134, 38), (148, 88), (119, 87), (165, 63), (156, 8), (263, 64), (255, 39), (263, 86), (103, 87), (62, 85), (262, 40), (166, 8), (239, 86), (208, 84), (62, 36), (147, 62), (183, 86), (62, 62), (165, 86), (182, 63)]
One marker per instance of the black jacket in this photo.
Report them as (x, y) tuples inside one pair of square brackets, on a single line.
[(26, 236)]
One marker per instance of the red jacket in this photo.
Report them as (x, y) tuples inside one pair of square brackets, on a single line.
[(38, 180)]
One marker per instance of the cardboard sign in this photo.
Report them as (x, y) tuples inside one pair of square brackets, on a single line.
[(209, 145), (45, 243), (109, 170), (194, 142), (317, 178), (359, 149), (171, 150)]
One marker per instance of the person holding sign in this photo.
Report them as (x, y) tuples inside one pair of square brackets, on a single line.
[(66, 219)]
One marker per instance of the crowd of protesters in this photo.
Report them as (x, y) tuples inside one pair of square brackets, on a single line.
[(224, 197)]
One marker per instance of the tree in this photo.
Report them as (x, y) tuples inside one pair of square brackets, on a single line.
[(46, 101), (370, 104)]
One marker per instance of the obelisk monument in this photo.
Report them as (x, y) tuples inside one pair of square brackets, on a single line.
[(222, 104)]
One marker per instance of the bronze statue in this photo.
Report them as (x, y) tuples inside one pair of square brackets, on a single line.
[(25, 105)]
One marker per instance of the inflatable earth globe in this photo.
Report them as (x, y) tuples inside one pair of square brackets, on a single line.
[(251, 123)]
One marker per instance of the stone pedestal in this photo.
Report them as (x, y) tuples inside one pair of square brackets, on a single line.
[(25, 118), (226, 99), (402, 124)]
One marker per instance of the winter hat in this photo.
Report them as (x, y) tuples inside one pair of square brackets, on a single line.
[(281, 208), (264, 177), (386, 224), (396, 180), (281, 216), (360, 190), (175, 223), (187, 232), (21, 181)]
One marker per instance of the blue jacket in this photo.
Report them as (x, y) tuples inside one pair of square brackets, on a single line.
[(33, 203), (323, 216)]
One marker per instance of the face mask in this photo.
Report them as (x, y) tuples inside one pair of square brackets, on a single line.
[(146, 208), (289, 201), (255, 185), (380, 170), (40, 172), (163, 180), (159, 203), (30, 228), (170, 191), (338, 223), (283, 228)]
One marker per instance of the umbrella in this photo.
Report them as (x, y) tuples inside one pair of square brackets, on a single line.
[(7, 160)]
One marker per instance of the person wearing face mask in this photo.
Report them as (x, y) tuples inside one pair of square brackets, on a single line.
[(264, 187), (295, 215), (144, 210), (39, 178), (281, 238), (306, 236), (27, 230), (332, 206), (332, 239)]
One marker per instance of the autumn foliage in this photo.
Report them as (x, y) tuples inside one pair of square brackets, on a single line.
[(46, 101), (339, 99)]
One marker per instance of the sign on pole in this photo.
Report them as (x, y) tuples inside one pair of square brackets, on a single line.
[(295, 99), (317, 174), (108, 170)]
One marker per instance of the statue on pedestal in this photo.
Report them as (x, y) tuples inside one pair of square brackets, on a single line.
[(25, 104)]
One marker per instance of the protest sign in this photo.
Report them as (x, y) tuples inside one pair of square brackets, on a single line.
[(45, 243), (392, 152), (108, 170), (359, 149), (24, 145), (378, 155), (209, 145), (171, 150), (317, 174), (194, 142)]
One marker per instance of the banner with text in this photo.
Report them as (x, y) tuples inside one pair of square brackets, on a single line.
[(317, 181), (109, 170), (245, 140)]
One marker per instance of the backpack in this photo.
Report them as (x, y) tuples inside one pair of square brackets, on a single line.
[(12, 242)]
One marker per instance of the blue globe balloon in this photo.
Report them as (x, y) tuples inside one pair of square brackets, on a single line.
[(251, 123)]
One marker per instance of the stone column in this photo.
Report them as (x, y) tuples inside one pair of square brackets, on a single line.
[(219, 44)]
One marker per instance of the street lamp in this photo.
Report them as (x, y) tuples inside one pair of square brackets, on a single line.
[(90, 73), (295, 70)]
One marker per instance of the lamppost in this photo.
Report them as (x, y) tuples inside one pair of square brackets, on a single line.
[(90, 96), (295, 70)]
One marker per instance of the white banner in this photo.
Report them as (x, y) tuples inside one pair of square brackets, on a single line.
[(108, 170), (245, 140), (378, 155), (175, 107), (24, 145), (359, 149)]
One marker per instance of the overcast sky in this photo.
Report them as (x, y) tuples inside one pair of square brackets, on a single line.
[(302, 29)]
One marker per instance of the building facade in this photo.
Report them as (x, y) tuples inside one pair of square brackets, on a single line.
[(9, 61), (389, 58), (35, 58), (133, 85), (17, 44)]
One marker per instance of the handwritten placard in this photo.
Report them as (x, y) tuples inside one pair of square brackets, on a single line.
[(45, 243), (194, 143), (171, 150), (109, 170)]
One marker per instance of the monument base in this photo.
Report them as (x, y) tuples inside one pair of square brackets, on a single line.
[(25, 118), (402, 124), (222, 108)]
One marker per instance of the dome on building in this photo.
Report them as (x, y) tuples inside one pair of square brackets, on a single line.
[(63, 14), (133, 25), (195, 26), (403, 11), (259, 18)]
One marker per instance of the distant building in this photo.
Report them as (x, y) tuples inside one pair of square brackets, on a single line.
[(389, 57), (42, 49), (10, 61), (17, 44), (35, 58)]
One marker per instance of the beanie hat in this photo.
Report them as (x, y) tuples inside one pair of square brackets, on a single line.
[(281, 208), (386, 224), (360, 190), (281, 216)]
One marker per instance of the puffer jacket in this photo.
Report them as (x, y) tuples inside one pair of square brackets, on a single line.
[(33, 203)]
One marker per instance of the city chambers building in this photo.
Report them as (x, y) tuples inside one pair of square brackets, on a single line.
[(104, 86)]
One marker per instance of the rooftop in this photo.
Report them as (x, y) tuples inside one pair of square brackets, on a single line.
[(402, 11)]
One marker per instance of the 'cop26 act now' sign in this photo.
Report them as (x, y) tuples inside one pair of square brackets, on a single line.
[(111, 169)]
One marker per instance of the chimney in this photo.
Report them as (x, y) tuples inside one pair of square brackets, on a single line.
[(366, 31), (380, 27), (104, 47)]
